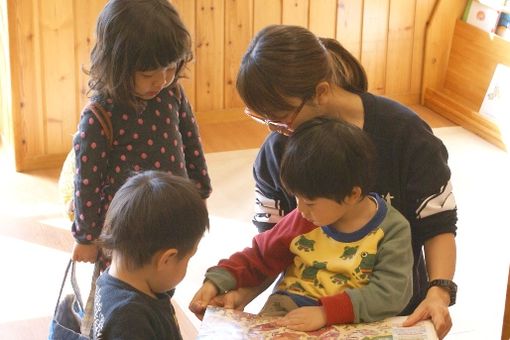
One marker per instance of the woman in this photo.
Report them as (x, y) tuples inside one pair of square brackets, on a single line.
[(288, 76)]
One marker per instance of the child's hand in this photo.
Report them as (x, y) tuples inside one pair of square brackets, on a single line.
[(85, 252), (202, 298), (304, 319)]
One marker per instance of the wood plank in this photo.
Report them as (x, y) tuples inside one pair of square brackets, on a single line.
[(374, 43), (210, 54), (399, 61), (438, 36), (295, 12), (6, 137), (85, 18), (266, 12), (323, 18), (473, 58), (238, 33), (349, 25), (186, 9)]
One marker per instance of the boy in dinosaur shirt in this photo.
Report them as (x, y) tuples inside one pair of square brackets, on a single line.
[(346, 254)]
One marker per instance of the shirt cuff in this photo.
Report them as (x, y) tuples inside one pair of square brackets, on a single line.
[(338, 309)]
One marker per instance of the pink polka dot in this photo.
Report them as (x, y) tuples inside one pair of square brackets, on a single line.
[(181, 165), (154, 127), (140, 121), (150, 142), (103, 154), (76, 147), (183, 114), (167, 120), (193, 120), (137, 167), (115, 142), (172, 158), (163, 150), (158, 99), (86, 181), (94, 224), (117, 169), (96, 190), (89, 204), (165, 135), (157, 165), (129, 147), (125, 116), (157, 113), (204, 172), (191, 166), (77, 193), (89, 237), (93, 145), (82, 217), (135, 135), (175, 142), (170, 92), (122, 132), (123, 157), (143, 155), (196, 153), (189, 134), (91, 121), (94, 168), (82, 134)]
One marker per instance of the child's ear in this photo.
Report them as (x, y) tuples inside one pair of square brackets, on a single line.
[(166, 256), (354, 196), (322, 91)]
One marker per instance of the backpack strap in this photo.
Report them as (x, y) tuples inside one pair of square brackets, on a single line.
[(104, 119)]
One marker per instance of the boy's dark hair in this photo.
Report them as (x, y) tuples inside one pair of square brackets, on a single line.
[(154, 211), (135, 35), (289, 61), (327, 157)]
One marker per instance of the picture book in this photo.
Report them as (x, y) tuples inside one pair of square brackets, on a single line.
[(496, 102), (219, 323)]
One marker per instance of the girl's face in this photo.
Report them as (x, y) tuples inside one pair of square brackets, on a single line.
[(149, 83)]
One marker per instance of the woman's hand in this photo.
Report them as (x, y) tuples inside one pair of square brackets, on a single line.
[(85, 252), (304, 319), (434, 307)]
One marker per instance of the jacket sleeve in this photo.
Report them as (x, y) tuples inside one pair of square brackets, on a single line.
[(268, 256), (193, 152), (272, 202), (430, 203), (391, 283), (91, 149)]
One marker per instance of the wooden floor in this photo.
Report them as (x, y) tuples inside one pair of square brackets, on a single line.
[(30, 200)]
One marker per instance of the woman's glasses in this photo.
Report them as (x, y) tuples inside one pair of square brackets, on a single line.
[(283, 128)]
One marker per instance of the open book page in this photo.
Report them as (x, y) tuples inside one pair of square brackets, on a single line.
[(219, 323)]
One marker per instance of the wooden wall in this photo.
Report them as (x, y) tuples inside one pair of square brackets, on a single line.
[(51, 40)]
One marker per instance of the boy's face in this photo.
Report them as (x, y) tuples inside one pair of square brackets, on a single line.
[(321, 211), (173, 271)]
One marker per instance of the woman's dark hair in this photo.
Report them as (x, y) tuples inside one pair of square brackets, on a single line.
[(131, 36), (153, 211), (327, 157), (289, 61)]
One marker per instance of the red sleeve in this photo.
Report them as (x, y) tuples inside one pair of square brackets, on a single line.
[(269, 253), (338, 309)]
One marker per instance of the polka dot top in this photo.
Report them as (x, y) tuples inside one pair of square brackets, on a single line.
[(164, 136)]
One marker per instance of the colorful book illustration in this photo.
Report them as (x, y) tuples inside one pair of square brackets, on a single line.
[(219, 323), (496, 102)]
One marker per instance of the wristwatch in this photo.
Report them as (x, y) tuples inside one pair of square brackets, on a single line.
[(448, 285)]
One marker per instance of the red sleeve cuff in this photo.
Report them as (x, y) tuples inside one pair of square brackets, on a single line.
[(338, 309)]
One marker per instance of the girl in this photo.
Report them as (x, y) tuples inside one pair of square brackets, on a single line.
[(288, 76), (141, 49)]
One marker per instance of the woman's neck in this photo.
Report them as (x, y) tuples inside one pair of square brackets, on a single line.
[(347, 106)]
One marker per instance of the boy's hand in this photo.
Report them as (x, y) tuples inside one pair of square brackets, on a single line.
[(304, 319), (85, 252), (203, 298)]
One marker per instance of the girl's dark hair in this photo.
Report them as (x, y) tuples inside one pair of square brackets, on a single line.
[(289, 61), (135, 35), (327, 157), (153, 211)]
